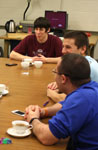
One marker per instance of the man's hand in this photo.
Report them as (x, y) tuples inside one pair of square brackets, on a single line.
[(51, 93), (32, 111), (55, 96), (35, 58), (41, 58), (52, 86)]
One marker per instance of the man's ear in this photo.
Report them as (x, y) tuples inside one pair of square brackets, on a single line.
[(63, 77), (83, 50), (48, 30)]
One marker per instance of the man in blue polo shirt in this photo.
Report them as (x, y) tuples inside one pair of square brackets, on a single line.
[(77, 115)]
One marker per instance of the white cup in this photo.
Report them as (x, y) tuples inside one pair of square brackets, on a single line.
[(28, 60), (2, 87), (38, 64), (20, 127), (25, 65)]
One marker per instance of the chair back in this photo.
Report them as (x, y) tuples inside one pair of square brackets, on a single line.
[(1, 52), (96, 50)]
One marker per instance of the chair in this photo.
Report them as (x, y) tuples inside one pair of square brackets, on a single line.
[(1, 52), (96, 50), (97, 60), (91, 50)]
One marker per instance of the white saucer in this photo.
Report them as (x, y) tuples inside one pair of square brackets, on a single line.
[(5, 92), (12, 132)]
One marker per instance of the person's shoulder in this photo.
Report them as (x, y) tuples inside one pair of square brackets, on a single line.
[(89, 88), (89, 84), (91, 60)]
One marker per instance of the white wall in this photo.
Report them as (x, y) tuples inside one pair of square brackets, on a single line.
[(83, 14)]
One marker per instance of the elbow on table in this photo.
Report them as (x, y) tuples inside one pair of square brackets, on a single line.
[(45, 140), (12, 55)]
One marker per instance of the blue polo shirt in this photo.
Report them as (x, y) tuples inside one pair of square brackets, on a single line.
[(78, 117)]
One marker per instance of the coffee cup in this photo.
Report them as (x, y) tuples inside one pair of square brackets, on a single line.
[(28, 60), (2, 87), (38, 64), (20, 127), (25, 65)]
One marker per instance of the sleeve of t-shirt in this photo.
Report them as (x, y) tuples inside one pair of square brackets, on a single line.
[(22, 47)]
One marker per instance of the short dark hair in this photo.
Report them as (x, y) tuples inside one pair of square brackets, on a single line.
[(81, 39), (76, 67), (42, 22)]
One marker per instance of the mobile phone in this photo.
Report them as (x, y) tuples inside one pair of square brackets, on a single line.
[(18, 112), (11, 64)]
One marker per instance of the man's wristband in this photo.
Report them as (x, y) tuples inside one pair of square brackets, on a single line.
[(46, 112), (32, 120)]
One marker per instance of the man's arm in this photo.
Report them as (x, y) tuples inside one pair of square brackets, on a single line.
[(55, 96), (52, 60), (53, 93), (43, 133), (17, 56), (47, 59), (41, 130), (51, 111)]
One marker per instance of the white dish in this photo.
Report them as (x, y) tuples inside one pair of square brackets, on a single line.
[(12, 132), (0, 95), (2, 87), (38, 64), (28, 60), (5, 92), (25, 65)]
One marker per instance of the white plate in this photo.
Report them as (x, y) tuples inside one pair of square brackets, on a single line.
[(12, 132), (5, 92)]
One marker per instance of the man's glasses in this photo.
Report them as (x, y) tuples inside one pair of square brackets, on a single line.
[(68, 75), (54, 71)]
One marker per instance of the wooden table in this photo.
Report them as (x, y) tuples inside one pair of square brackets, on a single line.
[(19, 36), (23, 91)]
